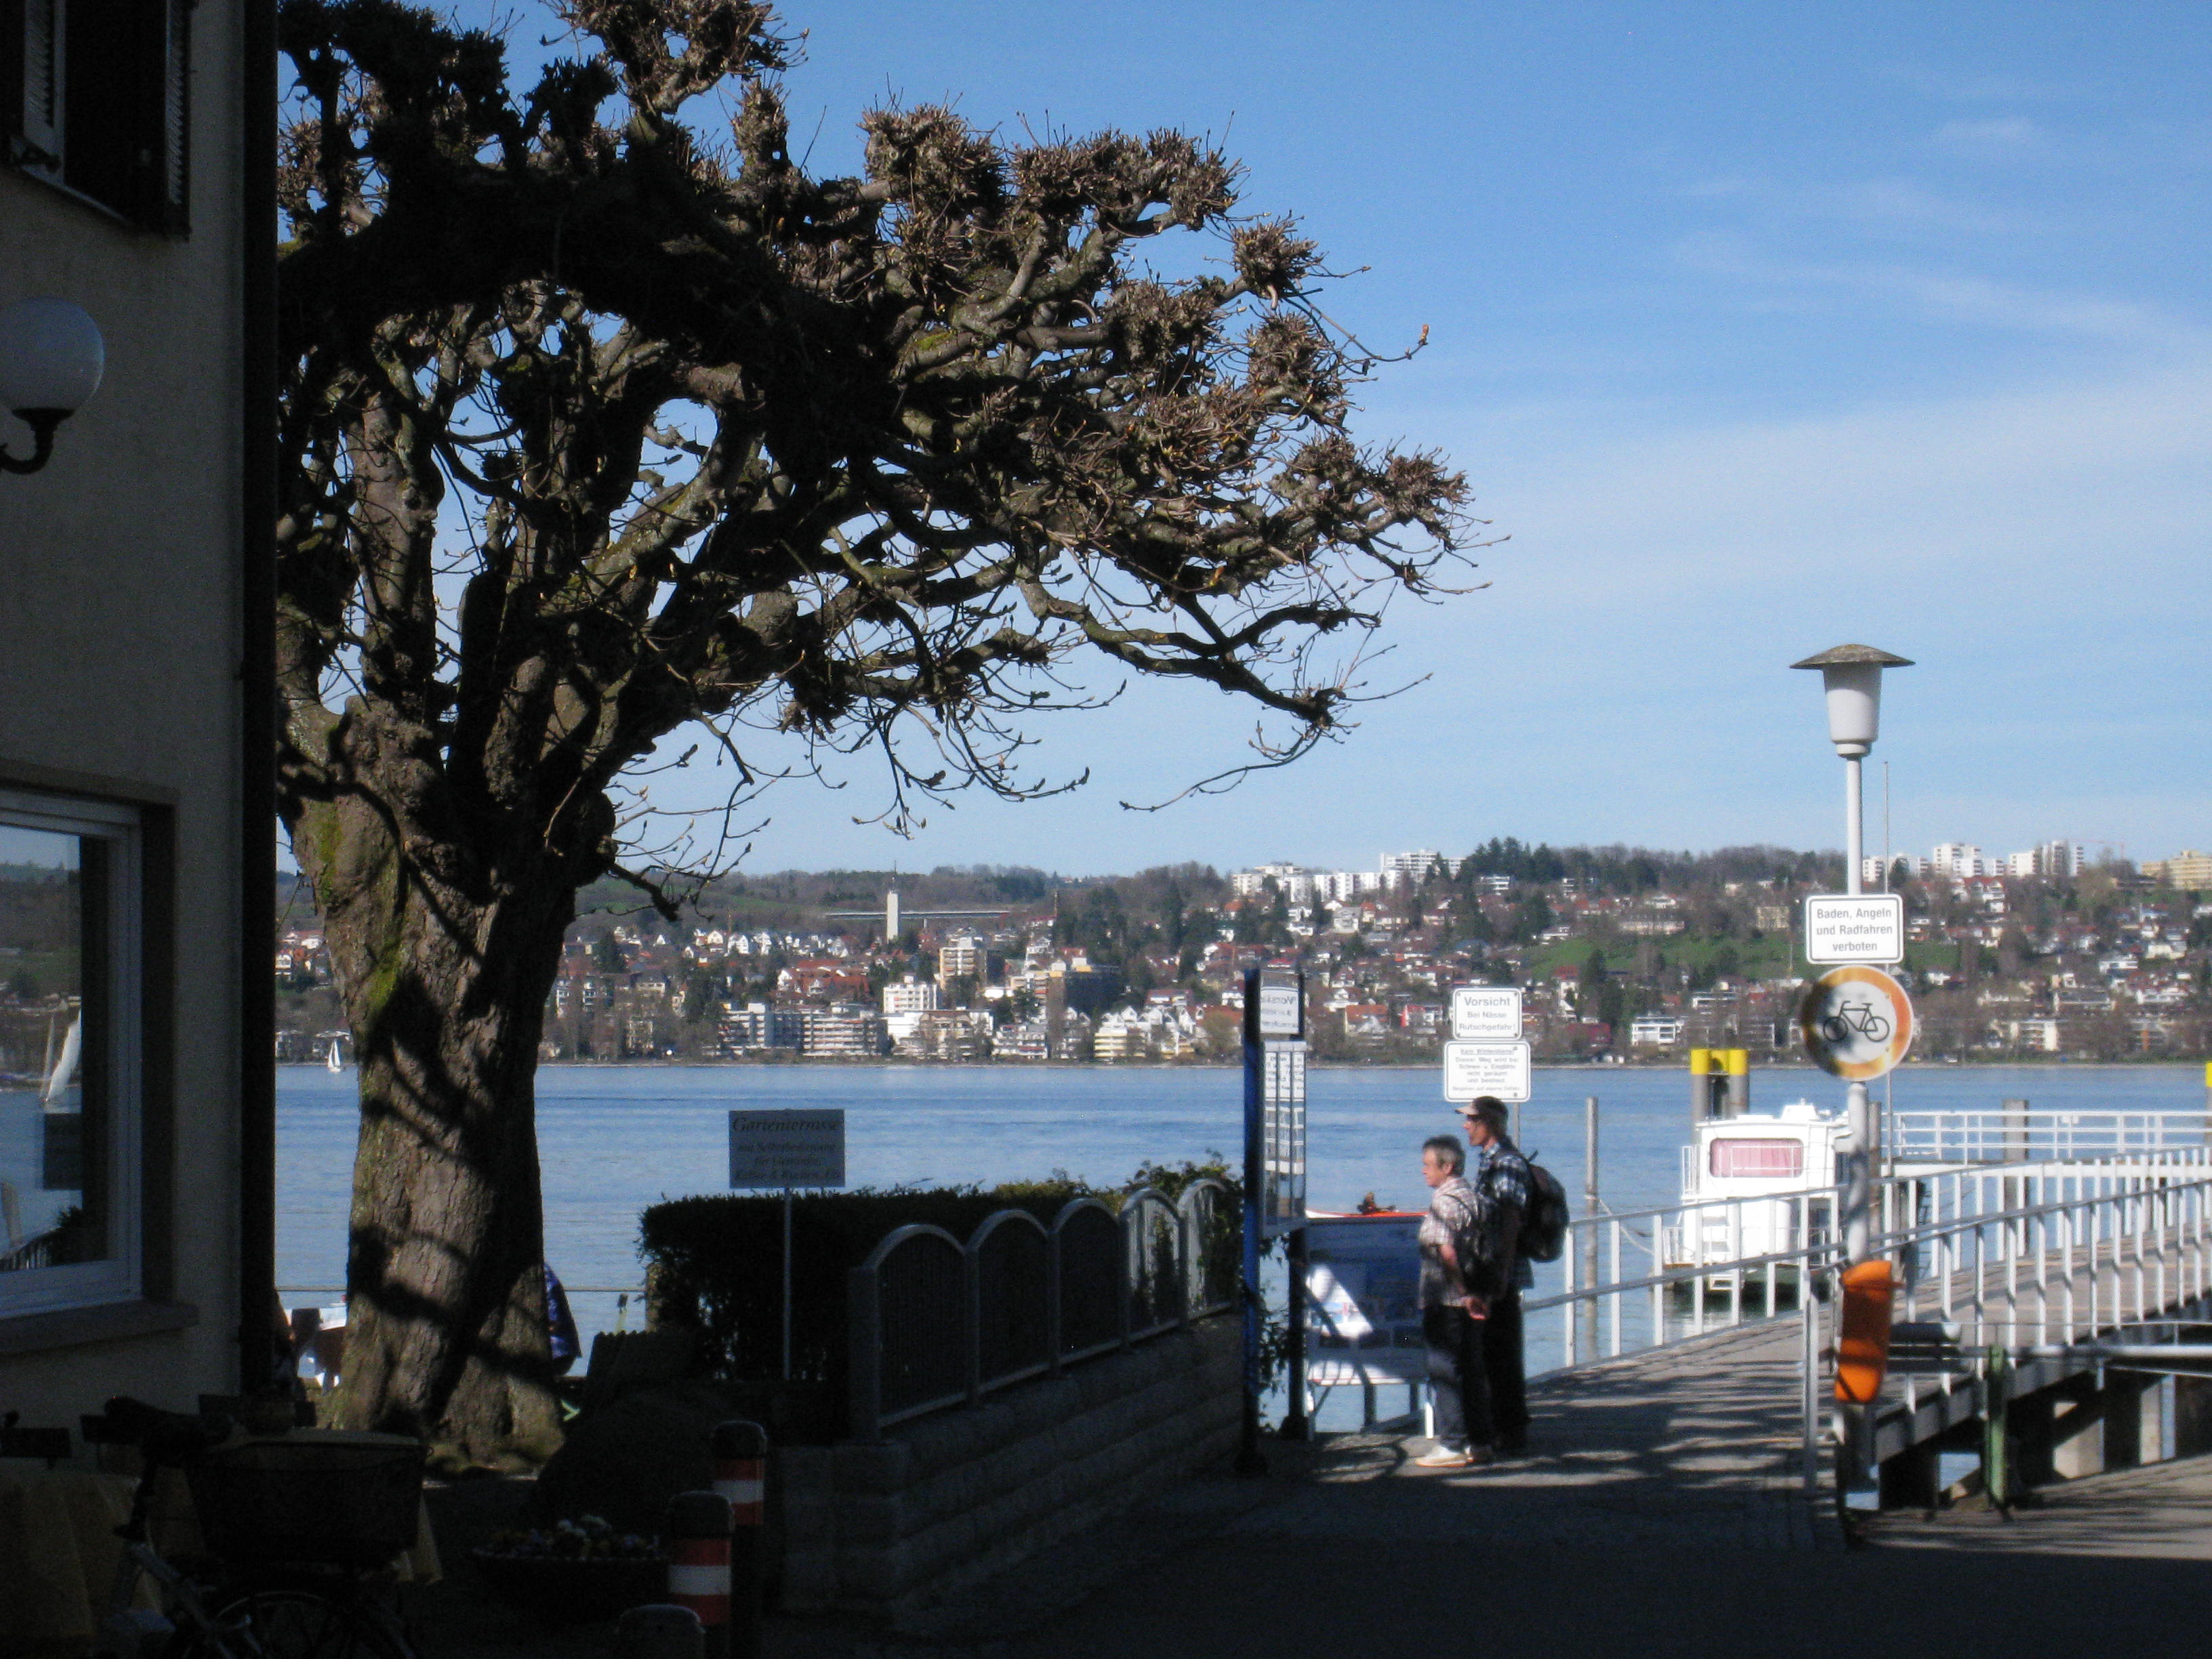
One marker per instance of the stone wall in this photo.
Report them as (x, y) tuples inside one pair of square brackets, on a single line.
[(949, 1499)]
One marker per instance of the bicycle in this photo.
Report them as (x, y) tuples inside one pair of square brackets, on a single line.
[(1855, 1017), (299, 1609)]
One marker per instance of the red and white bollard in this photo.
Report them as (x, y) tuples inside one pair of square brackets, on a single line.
[(740, 1458), (741, 1470), (699, 1564)]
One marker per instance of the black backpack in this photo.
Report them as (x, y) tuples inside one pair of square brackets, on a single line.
[(1544, 1228)]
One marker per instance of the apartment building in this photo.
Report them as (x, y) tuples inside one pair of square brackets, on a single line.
[(961, 957), (850, 1030), (2188, 870), (910, 995), (757, 1026)]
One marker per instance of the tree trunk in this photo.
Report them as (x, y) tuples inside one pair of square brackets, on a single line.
[(445, 985)]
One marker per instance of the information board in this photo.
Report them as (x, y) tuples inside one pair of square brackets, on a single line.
[(1282, 1138), (1363, 1301), (1845, 928), (1473, 1069), (788, 1149), (1486, 1013), (1280, 1010)]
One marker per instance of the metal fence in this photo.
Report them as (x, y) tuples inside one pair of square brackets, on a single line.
[(2021, 1134), (2016, 1257), (1639, 1279), (937, 1323)]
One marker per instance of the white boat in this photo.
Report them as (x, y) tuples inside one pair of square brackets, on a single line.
[(334, 1060), (1732, 1163)]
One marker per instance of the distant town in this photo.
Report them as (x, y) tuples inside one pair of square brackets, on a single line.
[(1625, 955)]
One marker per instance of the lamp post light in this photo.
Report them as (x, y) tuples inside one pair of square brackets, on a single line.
[(50, 360), (1851, 675)]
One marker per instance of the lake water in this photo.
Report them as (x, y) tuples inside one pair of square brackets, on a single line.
[(613, 1139)]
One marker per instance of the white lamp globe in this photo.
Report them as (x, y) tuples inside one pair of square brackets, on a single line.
[(51, 356)]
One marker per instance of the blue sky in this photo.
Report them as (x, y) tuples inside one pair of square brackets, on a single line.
[(1756, 329)]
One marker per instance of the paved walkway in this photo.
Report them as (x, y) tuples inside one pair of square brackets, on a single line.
[(1658, 1515)]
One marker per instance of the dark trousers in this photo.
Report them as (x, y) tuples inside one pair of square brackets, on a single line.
[(1458, 1379), (1507, 1385)]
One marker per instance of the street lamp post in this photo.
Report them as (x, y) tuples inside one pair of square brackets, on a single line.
[(1852, 675)]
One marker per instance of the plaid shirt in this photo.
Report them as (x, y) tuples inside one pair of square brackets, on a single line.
[(1499, 1174), (1455, 1217)]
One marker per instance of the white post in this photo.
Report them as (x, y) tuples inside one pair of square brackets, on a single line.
[(1858, 1176), (1854, 829)]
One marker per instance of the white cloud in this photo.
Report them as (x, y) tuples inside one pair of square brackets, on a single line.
[(1965, 89), (2007, 134), (1990, 486), (1957, 296)]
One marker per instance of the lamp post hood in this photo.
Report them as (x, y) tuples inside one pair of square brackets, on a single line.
[(1841, 656)]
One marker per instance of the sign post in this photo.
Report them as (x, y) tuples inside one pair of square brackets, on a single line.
[(1856, 1024), (789, 1149), (1274, 1174)]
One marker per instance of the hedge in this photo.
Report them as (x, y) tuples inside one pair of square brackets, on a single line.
[(714, 1262)]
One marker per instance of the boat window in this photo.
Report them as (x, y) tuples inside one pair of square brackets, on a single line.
[(1742, 1156)]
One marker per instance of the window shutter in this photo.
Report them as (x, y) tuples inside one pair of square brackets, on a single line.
[(162, 157), (31, 100)]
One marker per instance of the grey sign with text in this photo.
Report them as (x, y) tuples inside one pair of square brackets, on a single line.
[(805, 1148)]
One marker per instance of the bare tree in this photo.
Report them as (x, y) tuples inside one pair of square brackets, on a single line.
[(595, 429)]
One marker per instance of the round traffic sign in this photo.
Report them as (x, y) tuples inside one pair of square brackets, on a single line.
[(1856, 1022)]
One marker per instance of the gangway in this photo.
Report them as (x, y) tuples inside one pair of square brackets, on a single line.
[(2033, 1271)]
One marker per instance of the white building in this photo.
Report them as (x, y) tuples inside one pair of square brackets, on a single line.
[(961, 957), (847, 1029), (135, 671), (757, 1026), (1414, 867), (1655, 1031), (1959, 860), (2061, 858), (910, 995)]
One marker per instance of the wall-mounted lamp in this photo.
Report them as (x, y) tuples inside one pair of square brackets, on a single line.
[(51, 359)]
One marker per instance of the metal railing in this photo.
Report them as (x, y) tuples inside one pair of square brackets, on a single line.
[(2053, 1252), (2030, 1134), (935, 1324), (2013, 1255)]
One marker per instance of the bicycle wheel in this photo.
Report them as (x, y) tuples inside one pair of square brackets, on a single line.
[(296, 1624)]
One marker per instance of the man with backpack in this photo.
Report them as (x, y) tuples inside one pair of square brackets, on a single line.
[(1500, 1177)]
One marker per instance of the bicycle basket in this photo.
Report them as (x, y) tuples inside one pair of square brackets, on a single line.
[(338, 1503)]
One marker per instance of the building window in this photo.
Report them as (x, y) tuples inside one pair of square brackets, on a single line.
[(72, 1042), (95, 98)]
